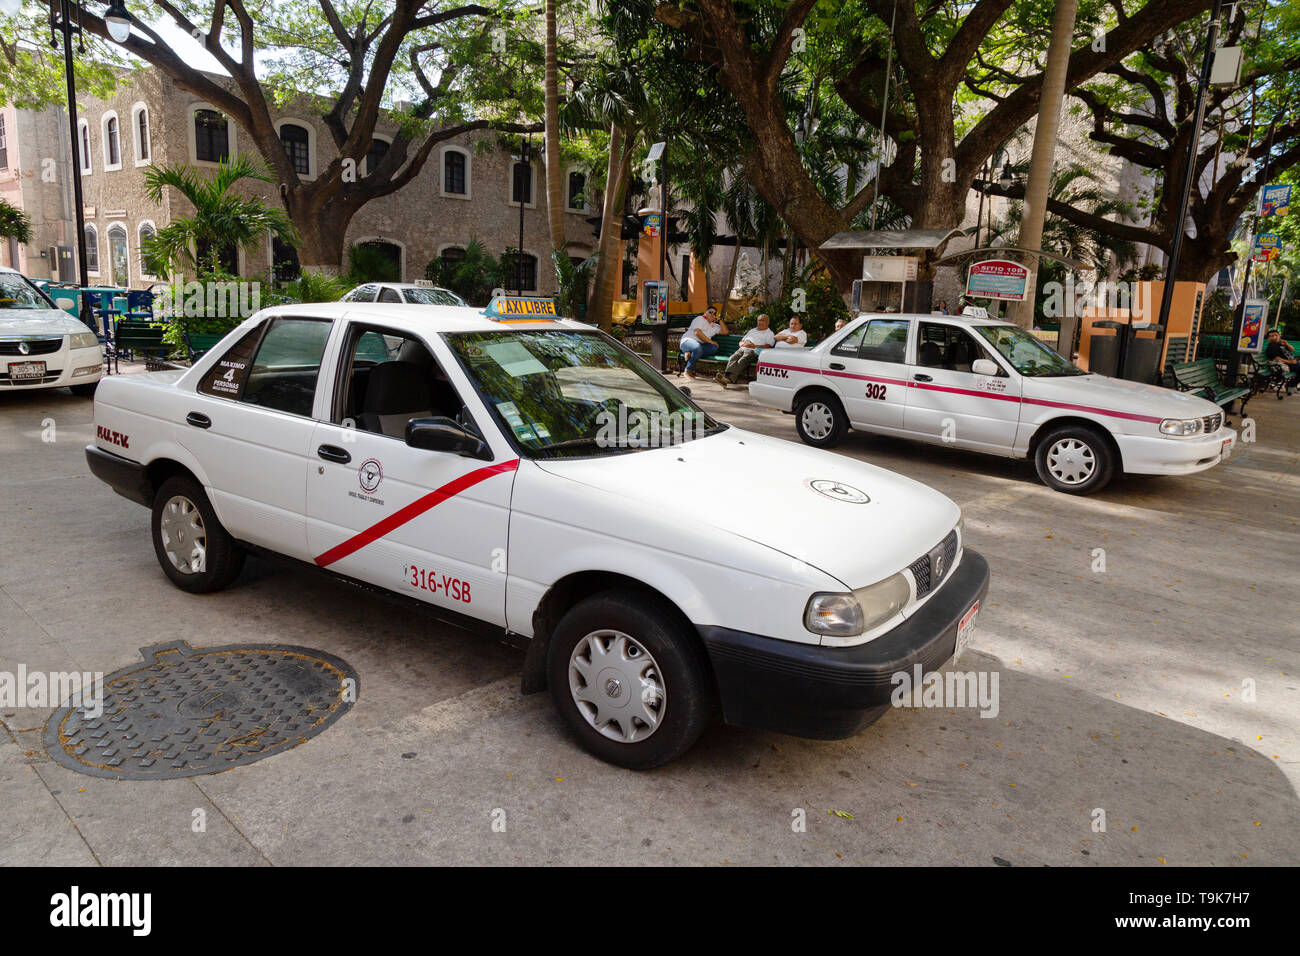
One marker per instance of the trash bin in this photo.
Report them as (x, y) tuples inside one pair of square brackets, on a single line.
[(1104, 347), (1140, 360)]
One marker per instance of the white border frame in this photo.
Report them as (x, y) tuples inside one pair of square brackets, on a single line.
[(84, 147), (442, 172), (231, 136), (126, 234), (537, 269), (311, 142), (510, 182), (365, 163), (585, 208), (139, 248), (104, 140), (92, 227), (140, 106), (392, 242)]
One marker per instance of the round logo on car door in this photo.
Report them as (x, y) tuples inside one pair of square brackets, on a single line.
[(839, 491), (370, 474)]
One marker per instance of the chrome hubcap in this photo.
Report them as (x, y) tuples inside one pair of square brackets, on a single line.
[(1071, 462), (184, 539), (617, 686), (817, 420)]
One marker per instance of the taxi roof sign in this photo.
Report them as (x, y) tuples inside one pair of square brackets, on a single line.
[(509, 308)]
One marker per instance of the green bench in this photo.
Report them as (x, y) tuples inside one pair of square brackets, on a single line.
[(1201, 378), (197, 344), (143, 337)]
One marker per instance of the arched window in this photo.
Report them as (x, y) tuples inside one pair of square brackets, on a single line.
[(577, 199), (92, 249), (285, 265), (454, 179), (452, 255), (140, 130), (211, 136), (119, 262), (375, 155), (112, 144), (524, 274), (142, 236), (297, 146), (521, 183), (83, 145)]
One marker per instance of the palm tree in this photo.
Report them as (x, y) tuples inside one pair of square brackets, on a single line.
[(14, 223), (221, 219)]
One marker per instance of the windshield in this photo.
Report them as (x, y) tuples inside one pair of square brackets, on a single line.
[(571, 393), (1028, 355), (426, 296), (17, 293)]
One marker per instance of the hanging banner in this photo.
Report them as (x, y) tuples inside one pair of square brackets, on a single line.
[(1253, 323), (889, 268), (1268, 246), (653, 222), (1275, 200), (998, 279)]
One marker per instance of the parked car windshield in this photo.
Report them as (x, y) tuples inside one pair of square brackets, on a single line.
[(17, 293), (1028, 355), (568, 393), (423, 295)]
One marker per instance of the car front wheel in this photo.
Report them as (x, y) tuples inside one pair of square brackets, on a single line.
[(629, 679), (820, 420), (194, 550), (1075, 460)]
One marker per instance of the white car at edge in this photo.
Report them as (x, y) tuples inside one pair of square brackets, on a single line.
[(988, 386), (484, 468), (41, 346)]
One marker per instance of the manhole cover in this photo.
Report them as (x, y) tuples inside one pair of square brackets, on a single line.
[(189, 711)]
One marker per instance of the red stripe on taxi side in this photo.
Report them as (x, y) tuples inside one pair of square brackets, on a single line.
[(416, 508), (1130, 416)]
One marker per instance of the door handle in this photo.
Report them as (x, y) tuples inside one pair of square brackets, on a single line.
[(334, 453), (923, 378), (837, 366), (198, 420)]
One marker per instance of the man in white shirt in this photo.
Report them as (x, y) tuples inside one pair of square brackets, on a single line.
[(759, 337), (697, 341), (793, 336)]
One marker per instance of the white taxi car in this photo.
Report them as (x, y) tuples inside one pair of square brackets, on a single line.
[(411, 293), (991, 387), (529, 477), (41, 346)]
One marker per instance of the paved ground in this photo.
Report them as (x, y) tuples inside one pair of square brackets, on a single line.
[(1120, 691)]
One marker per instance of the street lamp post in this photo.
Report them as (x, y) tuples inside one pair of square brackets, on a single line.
[(62, 23)]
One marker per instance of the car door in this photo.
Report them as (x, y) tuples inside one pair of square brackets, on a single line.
[(429, 524), (867, 368), (948, 402), (250, 426)]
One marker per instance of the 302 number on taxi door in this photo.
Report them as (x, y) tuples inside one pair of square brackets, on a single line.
[(876, 391)]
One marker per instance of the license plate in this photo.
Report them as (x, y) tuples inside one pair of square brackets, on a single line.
[(965, 629), (23, 371), (1223, 449)]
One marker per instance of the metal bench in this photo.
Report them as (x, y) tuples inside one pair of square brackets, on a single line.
[(143, 337), (1201, 378), (197, 344)]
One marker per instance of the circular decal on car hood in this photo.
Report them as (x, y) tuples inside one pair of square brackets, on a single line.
[(839, 491)]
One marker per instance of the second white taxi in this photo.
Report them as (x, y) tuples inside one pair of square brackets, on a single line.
[(531, 478), (41, 346), (991, 387)]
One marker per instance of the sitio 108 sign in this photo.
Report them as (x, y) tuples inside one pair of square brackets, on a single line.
[(997, 279)]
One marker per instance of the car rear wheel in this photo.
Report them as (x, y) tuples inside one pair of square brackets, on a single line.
[(1075, 460), (194, 550), (820, 420), (629, 679)]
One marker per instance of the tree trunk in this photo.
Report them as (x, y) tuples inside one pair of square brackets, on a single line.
[(554, 177), (731, 279), (609, 264)]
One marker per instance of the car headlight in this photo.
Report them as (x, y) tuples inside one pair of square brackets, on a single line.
[(82, 340), (847, 615), (1180, 427)]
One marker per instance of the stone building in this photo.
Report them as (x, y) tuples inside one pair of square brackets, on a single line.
[(470, 187)]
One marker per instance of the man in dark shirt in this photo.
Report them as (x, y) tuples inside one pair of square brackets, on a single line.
[(1278, 350)]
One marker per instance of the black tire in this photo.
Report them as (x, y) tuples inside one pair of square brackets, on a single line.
[(1078, 450), (677, 666), (222, 560), (820, 419), (84, 391)]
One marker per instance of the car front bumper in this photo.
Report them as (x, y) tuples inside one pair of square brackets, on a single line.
[(1146, 455), (828, 693), (61, 369)]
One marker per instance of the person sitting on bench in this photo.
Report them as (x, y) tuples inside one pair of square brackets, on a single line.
[(697, 341), (746, 354), (1279, 351), (792, 336)]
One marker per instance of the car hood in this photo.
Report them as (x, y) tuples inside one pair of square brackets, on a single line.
[(766, 490), (1117, 394), (38, 322)]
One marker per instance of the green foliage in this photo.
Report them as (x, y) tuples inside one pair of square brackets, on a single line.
[(221, 218), (14, 223), (32, 74), (367, 263), (822, 301), (308, 287), (572, 279), (472, 278)]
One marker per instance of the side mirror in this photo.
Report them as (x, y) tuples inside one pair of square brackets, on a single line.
[(443, 434), (984, 367)]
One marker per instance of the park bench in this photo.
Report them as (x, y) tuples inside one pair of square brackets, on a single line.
[(1201, 378), (144, 337), (197, 344)]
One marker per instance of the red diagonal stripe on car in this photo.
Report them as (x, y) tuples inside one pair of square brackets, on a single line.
[(416, 508)]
